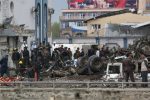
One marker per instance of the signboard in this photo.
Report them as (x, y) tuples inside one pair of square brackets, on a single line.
[(101, 4)]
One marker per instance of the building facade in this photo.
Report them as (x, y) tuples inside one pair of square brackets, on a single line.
[(19, 17), (102, 30), (21, 10), (122, 24), (72, 19), (99, 25)]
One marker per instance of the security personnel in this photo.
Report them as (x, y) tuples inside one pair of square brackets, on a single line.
[(26, 56), (15, 57)]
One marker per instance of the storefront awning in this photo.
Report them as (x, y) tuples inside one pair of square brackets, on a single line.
[(77, 30)]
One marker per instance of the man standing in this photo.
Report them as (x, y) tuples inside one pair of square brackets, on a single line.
[(128, 67), (69, 53), (15, 58), (4, 65), (144, 70), (26, 56), (82, 53), (77, 54)]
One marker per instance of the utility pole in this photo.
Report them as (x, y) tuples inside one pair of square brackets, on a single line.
[(50, 12)]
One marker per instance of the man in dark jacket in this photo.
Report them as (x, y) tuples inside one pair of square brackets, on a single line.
[(4, 65), (82, 52), (91, 52), (26, 56), (15, 58), (128, 67), (77, 54)]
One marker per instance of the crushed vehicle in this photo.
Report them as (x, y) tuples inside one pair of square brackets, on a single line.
[(114, 72)]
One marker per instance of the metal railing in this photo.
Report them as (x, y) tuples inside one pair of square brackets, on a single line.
[(67, 84)]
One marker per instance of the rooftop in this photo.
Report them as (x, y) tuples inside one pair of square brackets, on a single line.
[(110, 14), (91, 10)]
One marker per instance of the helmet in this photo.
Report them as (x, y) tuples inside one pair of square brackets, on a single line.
[(15, 49), (20, 62)]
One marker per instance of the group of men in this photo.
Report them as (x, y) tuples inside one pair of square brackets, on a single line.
[(20, 59), (17, 58), (26, 63), (129, 67)]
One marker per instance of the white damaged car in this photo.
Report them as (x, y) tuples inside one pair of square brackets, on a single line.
[(114, 72)]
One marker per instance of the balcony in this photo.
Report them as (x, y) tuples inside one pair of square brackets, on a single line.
[(62, 18)]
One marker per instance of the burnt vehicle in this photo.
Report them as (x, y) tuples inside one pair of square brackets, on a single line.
[(114, 72)]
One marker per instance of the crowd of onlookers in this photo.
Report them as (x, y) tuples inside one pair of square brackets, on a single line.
[(40, 57)]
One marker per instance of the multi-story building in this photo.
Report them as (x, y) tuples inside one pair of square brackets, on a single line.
[(124, 25), (72, 19)]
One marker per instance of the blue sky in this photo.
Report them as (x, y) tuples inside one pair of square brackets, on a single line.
[(58, 5)]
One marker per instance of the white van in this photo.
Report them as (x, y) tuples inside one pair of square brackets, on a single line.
[(114, 72)]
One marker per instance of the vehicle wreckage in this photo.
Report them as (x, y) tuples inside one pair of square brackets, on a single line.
[(94, 65)]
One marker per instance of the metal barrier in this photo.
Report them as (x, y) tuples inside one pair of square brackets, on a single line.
[(67, 84)]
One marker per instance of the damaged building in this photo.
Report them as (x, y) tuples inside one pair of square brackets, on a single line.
[(17, 24)]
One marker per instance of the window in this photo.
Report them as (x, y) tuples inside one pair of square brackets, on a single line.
[(24, 38), (96, 26), (11, 7), (66, 24), (114, 69), (94, 14), (69, 16), (81, 24), (82, 15), (147, 5)]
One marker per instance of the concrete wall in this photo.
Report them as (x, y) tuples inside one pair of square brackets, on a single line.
[(76, 94), (22, 12), (103, 40)]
